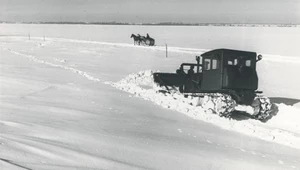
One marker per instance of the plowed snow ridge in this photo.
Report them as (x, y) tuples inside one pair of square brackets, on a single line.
[(141, 84)]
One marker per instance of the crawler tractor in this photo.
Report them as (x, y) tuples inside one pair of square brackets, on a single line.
[(227, 78)]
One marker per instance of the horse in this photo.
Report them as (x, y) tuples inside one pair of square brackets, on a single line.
[(149, 41), (146, 40), (143, 39), (136, 39)]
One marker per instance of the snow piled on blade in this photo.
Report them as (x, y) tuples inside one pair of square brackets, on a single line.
[(275, 130)]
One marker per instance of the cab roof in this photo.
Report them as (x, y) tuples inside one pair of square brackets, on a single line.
[(229, 52)]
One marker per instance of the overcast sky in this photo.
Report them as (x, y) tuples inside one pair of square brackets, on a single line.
[(149, 11)]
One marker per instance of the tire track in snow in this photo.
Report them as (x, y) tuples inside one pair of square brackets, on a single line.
[(14, 163), (77, 71), (62, 153)]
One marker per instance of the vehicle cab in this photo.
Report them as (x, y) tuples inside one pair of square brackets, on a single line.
[(229, 69)]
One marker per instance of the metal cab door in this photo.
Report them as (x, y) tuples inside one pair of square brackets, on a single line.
[(212, 77)]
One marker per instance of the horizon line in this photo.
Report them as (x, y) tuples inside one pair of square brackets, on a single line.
[(153, 24)]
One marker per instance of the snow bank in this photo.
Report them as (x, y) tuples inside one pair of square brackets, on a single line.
[(283, 128)]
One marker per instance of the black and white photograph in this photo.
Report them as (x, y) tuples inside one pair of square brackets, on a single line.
[(149, 85)]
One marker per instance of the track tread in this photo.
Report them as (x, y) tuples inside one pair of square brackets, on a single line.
[(265, 109)]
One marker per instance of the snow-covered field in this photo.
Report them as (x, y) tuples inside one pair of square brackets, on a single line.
[(65, 104)]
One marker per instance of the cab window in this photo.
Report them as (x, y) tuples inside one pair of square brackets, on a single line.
[(207, 64), (233, 61), (214, 64), (248, 63)]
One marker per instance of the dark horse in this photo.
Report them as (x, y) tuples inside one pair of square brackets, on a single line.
[(149, 41), (136, 39)]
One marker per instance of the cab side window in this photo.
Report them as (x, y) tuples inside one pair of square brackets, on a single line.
[(207, 64), (248, 63), (214, 64)]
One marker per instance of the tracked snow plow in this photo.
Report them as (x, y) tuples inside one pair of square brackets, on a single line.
[(225, 79)]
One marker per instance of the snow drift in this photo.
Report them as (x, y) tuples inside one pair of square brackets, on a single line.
[(283, 128)]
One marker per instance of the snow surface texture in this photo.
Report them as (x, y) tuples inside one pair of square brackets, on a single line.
[(60, 108), (283, 128)]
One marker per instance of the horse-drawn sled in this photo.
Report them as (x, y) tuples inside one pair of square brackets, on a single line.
[(143, 40)]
